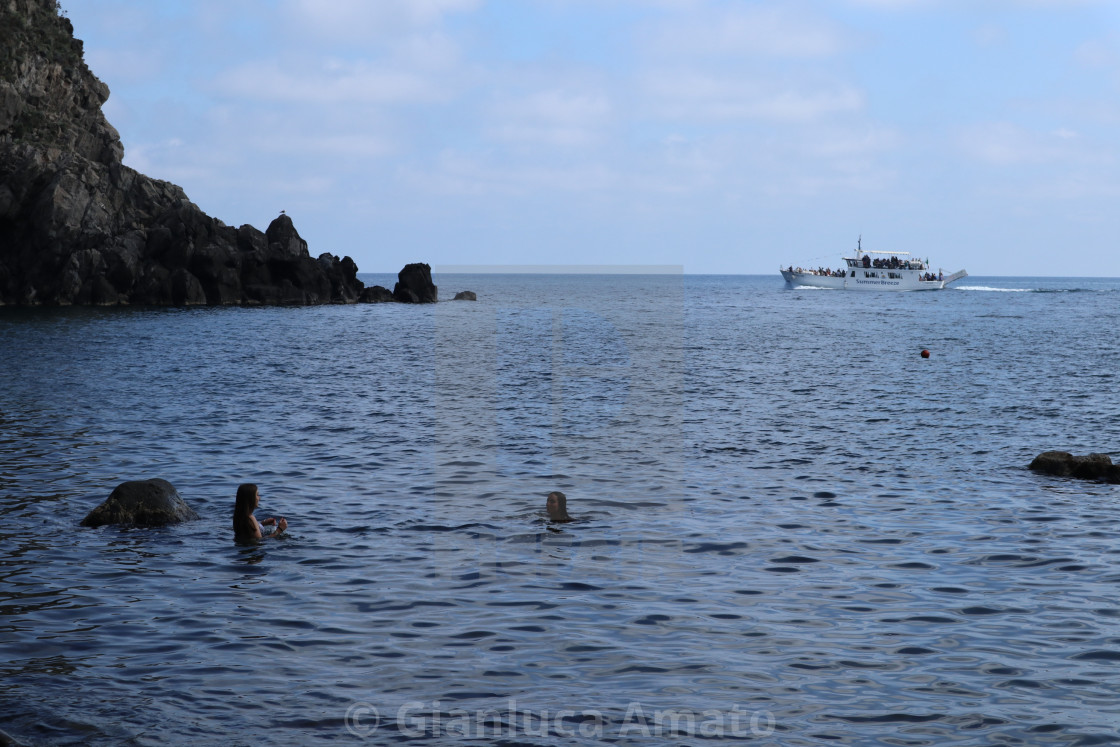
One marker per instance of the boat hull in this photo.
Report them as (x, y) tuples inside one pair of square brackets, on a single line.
[(907, 280)]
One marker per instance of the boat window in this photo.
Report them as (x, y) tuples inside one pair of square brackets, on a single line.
[(853, 273)]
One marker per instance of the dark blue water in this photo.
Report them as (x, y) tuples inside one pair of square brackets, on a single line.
[(792, 528)]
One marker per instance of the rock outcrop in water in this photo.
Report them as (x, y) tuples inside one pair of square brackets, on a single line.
[(79, 227), (148, 503), (414, 284), (1064, 464)]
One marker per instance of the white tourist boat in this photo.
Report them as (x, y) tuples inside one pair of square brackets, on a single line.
[(890, 271)]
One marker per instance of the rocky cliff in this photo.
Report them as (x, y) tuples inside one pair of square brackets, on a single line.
[(79, 227)]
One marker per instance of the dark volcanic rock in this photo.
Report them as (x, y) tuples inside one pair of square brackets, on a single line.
[(465, 296), (1063, 464), (414, 284), (79, 227), (1053, 463), (152, 503), (377, 294)]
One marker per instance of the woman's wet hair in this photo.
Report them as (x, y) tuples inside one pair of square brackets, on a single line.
[(243, 508), (556, 504), (246, 498)]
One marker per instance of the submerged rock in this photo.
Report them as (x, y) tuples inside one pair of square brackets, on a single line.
[(465, 296), (150, 503), (1064, 464)]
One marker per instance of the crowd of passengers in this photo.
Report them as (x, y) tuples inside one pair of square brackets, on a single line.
[(894, 263), (819, 271)]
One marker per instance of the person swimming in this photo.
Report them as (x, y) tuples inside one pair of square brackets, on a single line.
[(556, 505), (245, 525)]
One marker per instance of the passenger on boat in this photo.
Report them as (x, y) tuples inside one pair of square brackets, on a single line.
[(866, 261)]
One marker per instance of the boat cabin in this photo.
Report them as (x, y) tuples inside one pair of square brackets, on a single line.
[(882, 264)]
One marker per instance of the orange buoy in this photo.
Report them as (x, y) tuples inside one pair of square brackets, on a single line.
[(925, 353)]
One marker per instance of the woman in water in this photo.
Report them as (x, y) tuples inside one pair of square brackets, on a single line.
[(557, 506), (245, 525)]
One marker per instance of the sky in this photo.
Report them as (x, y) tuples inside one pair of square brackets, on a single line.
[(716, 136)]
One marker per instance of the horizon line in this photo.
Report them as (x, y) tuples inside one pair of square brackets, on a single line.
[(646, 270), (560, 269)]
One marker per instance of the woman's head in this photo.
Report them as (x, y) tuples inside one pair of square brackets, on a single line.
[(557, 506), (247, 499)]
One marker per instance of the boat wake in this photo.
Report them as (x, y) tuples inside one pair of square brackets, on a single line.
[(1029, 290)]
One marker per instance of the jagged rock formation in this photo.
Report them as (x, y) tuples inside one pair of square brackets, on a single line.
[(79, 227), (414, 284)]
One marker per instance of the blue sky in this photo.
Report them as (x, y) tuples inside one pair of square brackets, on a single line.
[(724, 137)]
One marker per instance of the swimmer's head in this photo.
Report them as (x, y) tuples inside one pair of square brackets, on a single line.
[(557, 506)]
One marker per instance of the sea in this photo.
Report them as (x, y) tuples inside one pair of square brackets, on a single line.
[(790, 528)]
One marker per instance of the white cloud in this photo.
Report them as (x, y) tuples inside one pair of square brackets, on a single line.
[(860, 143), (148, 158), (700, 96), (342, 145), (1099, 53), (331, 82), (126, 65), (365, 19), (746, 32), (1007, 144), (894, 4), (990, 35), (455, 173), (1004, 144), (553, 117)]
